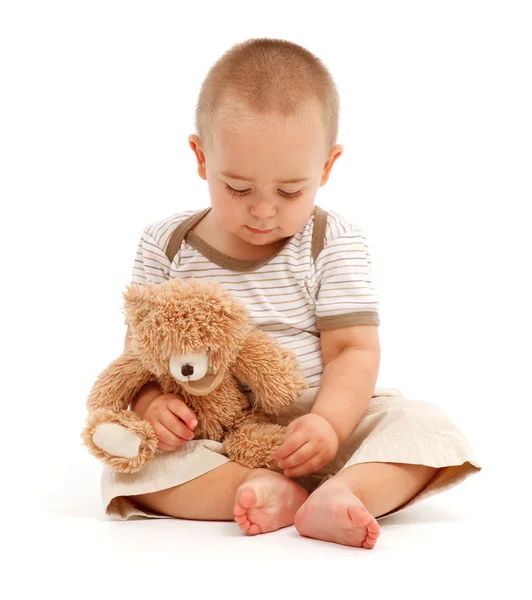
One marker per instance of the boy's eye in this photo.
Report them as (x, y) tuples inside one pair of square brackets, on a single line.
[(234, 192)]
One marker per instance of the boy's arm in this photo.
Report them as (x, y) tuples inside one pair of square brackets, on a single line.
[(148, 393), (351, 357)]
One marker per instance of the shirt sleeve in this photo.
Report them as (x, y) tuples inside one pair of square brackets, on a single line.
[(345, 292), (151, 263)]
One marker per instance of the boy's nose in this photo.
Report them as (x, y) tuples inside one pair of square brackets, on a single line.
[(263, 210)]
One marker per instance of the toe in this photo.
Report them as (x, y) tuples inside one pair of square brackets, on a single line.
[(245, 525), (253, 529), (358, 515), (247, 498), (368, 545), (373, 528), (373, 532), (239, 510)]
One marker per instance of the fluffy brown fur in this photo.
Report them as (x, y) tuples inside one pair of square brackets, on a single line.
[(184, 318)]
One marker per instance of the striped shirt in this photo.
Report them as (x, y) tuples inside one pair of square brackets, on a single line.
[(289, 296)]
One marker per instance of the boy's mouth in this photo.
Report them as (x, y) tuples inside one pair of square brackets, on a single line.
[(259, 230)]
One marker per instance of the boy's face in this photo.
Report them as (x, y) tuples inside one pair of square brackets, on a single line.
[(262, 208)]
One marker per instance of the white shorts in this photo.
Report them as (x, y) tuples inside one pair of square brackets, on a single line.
[(393, 429)]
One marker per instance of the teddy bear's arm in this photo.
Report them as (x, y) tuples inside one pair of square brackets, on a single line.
[(271, 371), (119, 383)]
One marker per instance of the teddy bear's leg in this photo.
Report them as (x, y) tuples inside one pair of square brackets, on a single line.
[(253, 441), (121, 439)]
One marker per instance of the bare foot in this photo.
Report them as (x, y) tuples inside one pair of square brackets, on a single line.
[(267, 501), (334, 514)]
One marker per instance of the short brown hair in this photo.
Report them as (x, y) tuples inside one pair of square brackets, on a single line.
[(272, 77)]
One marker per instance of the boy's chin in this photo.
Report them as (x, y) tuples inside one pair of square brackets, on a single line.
[(266, 239)]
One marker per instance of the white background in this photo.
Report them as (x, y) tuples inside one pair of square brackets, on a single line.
[(97, 100)]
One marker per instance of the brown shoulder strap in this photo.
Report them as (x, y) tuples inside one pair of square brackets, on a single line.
[(318, 234), (179, 233)]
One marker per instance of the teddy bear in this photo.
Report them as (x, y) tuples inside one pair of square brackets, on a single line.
[(195, 339)]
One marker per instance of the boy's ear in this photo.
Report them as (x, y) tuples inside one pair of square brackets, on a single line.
[(334, 155), (195, 143)]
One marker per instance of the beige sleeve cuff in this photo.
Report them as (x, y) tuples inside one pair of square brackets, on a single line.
[(358, 318)]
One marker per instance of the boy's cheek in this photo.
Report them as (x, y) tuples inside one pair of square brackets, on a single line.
[(226, 208)]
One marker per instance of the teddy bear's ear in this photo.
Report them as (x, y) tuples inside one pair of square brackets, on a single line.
[(137, 301), (235, 310)]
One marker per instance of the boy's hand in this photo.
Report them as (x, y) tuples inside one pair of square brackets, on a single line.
[(309, 443), (172, 420)]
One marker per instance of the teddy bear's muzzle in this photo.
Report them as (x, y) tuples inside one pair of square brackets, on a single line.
[(189, 367), (192, 371)]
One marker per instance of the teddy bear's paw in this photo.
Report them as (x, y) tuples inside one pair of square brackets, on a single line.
[(253, 444), (116, 440)]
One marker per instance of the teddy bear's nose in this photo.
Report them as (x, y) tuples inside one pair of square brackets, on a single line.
[(187, 370)]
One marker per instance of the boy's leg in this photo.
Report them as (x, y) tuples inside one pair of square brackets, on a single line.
[(399, 449), (345, 507), (259, 500), (383, 487), (209, 497)]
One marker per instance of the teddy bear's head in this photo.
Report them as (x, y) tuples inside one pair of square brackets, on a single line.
[(186, 329)]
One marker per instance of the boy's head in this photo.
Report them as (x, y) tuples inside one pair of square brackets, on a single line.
[(267, 112)]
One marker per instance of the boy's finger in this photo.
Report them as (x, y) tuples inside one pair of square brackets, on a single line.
[(310, 466), (176, 425), (299, 457), (165, 435), (290, 445), (168, 448), (181, 410)]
